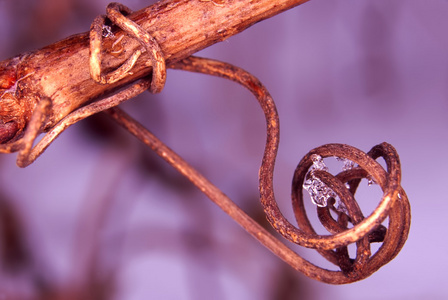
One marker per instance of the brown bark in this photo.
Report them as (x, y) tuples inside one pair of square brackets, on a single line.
[(60, 71)]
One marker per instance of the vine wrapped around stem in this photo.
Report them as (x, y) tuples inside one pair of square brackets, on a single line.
[(363, 231)]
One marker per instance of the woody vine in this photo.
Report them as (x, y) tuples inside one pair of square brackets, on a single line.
[(126, 53)]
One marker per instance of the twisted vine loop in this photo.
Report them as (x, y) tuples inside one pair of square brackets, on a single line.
[(394, 205), (117, 13)]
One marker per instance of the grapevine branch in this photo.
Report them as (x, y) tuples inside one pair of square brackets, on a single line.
[(58, 71), (127, 53)]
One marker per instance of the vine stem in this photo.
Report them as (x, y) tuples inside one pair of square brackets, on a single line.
[(244, 78), (224, 202), (333, 247), (30, 93)]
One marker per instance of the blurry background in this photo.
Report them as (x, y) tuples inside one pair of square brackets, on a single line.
[(98, 212)]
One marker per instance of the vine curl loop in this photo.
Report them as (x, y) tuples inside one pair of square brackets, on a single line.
[(394, 205), (333, 247)]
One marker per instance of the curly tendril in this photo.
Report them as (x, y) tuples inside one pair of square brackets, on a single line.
[(394, 203)]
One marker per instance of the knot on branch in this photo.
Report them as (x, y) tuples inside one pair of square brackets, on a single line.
[(340, 214)]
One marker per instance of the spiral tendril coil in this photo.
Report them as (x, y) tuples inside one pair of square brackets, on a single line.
[(364, 231), (394, 205)]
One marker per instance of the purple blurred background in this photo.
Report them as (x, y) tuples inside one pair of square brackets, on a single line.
[(97, 206)]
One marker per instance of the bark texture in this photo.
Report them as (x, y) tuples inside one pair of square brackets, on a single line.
[(61, 71)]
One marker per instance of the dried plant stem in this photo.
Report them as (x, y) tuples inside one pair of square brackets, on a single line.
[(224, 202), (366, 230)]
